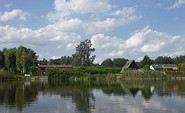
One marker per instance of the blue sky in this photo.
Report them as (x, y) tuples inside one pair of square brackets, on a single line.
[(116, 28)]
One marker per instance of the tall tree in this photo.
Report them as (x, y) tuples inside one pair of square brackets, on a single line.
[(146, 61), (83, 53), (25, 58), (107, 62), (10, 59)]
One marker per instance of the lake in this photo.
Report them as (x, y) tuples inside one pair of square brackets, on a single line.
[(136, 96)]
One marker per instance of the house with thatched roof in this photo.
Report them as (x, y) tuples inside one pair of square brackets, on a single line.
[(130, 65)]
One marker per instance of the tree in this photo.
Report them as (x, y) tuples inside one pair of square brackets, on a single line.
[(43, 62), (163, 60), (108, 63), (146, 61), (119, 62), (10, 59), (2, 59), (83, 53), (25, 58), (179, 59), (182, 67)]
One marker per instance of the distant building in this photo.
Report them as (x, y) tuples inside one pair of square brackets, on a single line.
[(130, 65), (164, 67), (62, 67)]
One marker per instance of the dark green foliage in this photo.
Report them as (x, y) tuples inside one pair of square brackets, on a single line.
[(80, 72), (63, 60), (108, 63), (179, 59), (146, 61), (163, 60), (34, 70), (83, 57), (18, 59), (182, 67), (2, 59), (116, 62), (25, 58), (146, 68), (119, 62), (10, 60), (43, 62)]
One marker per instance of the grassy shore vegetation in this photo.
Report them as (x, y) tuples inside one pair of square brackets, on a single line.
[(103, 73), (15, 62), (83, 73)]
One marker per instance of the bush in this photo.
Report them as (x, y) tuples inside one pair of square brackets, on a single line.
[(81, 72)]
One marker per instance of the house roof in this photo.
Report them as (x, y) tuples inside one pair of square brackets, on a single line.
[(55, 66), (160, 66), (128, 63)]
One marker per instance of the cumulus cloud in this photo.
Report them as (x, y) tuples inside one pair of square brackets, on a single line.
[(69, 25), (64, 8), (91, 9), (6, 16), (117, 18), (82, 6), (42, 36), (142, 42), (177, 4)]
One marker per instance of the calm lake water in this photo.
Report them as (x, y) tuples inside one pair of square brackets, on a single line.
[(92, 97)]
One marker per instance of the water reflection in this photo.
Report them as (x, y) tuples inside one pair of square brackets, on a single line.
[(17, 93), (92, 96)]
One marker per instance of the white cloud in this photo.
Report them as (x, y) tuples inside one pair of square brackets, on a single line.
[(91, 9), (42, 36), (6, 16), (101, 41), (116, 18), (65, 8), (7, 5), (69, 25), (144, 41), (55, 57), (152, 47), (137, 39), (82, 6), (177, 4)]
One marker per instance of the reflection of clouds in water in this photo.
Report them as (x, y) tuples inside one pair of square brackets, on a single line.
[(117, 104), (154, 104), (137, 104)]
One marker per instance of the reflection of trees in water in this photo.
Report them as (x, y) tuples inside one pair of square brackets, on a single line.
[(84, 101), (17, 93), (20, 93)]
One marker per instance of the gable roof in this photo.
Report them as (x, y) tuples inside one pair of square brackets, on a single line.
[(129, 64)]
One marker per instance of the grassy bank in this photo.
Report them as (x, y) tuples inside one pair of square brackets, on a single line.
[(103, 73), (4, 75)]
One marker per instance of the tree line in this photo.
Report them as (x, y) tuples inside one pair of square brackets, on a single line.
[(24, 59), (119, 62), (19, 59)]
